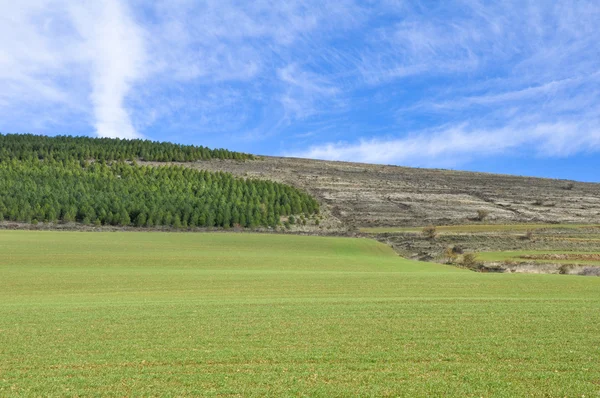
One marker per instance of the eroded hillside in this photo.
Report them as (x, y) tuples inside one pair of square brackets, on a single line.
[(359, 195)]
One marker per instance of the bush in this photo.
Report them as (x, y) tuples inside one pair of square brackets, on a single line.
[(470, 260), (450, 255), (482, 214), (429, 232), (565, 269), (529, 234)]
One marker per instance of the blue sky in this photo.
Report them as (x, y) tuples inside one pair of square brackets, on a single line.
[(510, 87)]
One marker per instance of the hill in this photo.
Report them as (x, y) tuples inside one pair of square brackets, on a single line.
[(352, 195), (98, 182), (364, 195)]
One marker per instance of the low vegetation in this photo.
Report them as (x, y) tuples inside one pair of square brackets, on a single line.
[(482, 215), (429, 232), (543, 257), (218, 314), (470, 260)]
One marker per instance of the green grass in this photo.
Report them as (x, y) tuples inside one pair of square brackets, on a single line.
[(516, 256), (472, 228), (159, 314)]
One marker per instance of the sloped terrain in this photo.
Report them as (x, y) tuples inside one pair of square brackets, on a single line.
[(356, 195)]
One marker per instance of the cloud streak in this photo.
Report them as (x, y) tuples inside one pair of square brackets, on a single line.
[(389, 81), (458, 144), (115, 50), (54, 50)]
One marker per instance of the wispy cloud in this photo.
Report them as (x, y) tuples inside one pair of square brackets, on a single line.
[(455, 145), (386, 81), (53, 50), (114, 48), (304, 91), (506, 80)]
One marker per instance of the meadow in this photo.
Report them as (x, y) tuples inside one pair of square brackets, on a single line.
[(546, 256), (226, 314)]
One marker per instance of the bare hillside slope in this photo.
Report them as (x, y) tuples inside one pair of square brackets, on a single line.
[(365, 195)]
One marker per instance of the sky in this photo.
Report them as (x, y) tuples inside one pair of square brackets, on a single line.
[(506, 87)]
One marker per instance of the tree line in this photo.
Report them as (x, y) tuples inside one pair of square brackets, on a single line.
[(28, 147), (123, 193)]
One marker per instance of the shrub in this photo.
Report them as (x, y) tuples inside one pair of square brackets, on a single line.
[(450, 255), (429, 232), (565, 269), (569, 186), (529, 234), (470, 260), (482, 214)]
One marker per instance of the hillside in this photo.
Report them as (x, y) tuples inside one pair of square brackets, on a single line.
[(351, 195), (365, 195), (98, 182)]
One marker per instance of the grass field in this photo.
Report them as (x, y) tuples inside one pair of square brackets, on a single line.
[(474, 228), (521, 256), (174, 314)]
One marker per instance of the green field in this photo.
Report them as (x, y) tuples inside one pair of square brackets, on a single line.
[(474, 228), (174, 314), (519, 256)]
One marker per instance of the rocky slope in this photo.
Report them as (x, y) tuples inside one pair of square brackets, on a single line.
[(356, 195)]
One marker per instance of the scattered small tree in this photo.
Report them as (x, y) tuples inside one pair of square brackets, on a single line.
[(470, 260), (565, 269), (482, 214), (429, 232), (450, 255)]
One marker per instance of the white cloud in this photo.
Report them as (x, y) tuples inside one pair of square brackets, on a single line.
[(454, 145), (114, 47), (304, 91), (386, 81), (53, 50), (510, 80)]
